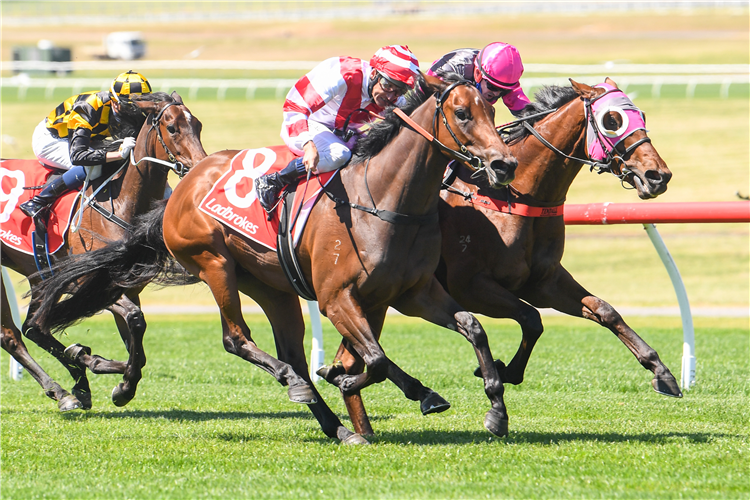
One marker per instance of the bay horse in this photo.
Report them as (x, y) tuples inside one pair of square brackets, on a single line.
[(505, 262), (168, 139), (357, 263)]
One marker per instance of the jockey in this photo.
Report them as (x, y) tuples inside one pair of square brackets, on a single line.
[(322, 105), (495, 69), (63, 139)]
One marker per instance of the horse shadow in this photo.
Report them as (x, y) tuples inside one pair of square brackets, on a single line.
[(437, 437)]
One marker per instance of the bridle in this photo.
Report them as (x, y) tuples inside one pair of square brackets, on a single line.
[(604, 166), (174, 165), (463, 155)]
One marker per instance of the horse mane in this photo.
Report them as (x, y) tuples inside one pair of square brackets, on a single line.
[(547, 98), (130, 121), (382, 132)]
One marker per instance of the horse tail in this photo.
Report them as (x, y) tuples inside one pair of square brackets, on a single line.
[(87, 283)]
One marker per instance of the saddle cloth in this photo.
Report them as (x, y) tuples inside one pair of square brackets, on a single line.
[(15, 226), (233, 201)]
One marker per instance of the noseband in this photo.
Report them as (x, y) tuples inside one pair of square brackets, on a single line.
[(176, 166)]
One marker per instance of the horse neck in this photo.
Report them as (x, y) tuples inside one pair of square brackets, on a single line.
[(143, 183), (543, 174), (405, 176)]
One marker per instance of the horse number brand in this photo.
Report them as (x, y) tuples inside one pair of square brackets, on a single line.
[(464, 242), (337, 248)]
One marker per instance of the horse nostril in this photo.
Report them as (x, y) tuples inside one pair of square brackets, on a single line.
[(653, 176), (504, 166)]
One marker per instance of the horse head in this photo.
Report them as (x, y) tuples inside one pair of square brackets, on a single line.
[(468, 122), (174, 135), (617, 132)]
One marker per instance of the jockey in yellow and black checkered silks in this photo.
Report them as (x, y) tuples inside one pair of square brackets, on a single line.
[(63, 140)]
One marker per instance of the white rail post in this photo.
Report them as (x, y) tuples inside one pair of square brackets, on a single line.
[(317, 354), (16, 370), (687, 377)]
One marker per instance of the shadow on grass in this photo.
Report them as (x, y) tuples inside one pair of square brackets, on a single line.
[(202, 416), (541, 438)]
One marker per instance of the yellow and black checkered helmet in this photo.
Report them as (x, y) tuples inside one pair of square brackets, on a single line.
[(129, 83)]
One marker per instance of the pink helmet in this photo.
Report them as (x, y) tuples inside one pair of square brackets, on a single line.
[(397, 63), (500, 63)]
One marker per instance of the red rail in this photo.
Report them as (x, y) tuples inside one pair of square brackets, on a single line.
[(651, 213)]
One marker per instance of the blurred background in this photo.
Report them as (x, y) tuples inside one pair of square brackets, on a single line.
[(685, 64)]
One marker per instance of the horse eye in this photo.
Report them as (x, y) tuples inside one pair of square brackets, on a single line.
[(171, 129), (610, 123), (460, 114)]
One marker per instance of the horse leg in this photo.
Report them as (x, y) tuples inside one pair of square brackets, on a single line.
[(434, 304), (284, 313), (45, 340), (347, 361), (363, 331), (562, 292), (484, 295), (12, 341), (132, 326), (219, 273)]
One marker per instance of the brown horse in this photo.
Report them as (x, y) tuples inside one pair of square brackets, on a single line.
[(168, 138), (357, 263), (504, 265)]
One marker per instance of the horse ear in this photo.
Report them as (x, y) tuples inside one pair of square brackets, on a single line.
[(582, 89), (147, 107), (177, 98), (432, 84), (611, 82)]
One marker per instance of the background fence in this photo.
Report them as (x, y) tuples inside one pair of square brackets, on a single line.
[(681, 80)]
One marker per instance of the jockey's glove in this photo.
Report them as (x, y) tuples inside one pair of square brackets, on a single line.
[(126, 147)]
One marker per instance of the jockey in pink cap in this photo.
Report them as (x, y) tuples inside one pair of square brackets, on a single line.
[(495, 69), (323, 114)]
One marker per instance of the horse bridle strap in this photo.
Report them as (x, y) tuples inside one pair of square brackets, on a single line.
[(464, 154), (174, 165)]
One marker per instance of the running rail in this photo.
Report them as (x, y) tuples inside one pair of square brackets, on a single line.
[(670, 213)]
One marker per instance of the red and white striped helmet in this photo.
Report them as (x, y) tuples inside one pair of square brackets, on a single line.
[(397, 63), (500, 63)]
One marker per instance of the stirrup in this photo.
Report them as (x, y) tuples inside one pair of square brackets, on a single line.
[(266, 191), (27, 206)]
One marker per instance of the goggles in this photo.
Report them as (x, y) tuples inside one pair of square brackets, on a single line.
[(389, 85)]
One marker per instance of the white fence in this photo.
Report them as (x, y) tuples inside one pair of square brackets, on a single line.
[(653, 75)]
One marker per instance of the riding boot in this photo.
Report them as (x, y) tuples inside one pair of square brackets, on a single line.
[(268, 186), (51, 192), (56, 186)]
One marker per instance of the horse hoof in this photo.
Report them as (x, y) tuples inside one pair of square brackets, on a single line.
[(355, 439), (84, 398), (73, 352), (500, 369), (302, 394), (68, 403), (328, 372), (667, 387), (434, 403), (496, 423), (120, 397)]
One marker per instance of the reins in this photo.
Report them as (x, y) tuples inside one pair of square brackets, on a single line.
[(90, 201), (611, 153), (463, 155), (174, 165)]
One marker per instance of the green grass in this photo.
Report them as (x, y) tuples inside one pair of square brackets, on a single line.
[(584, 424)]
